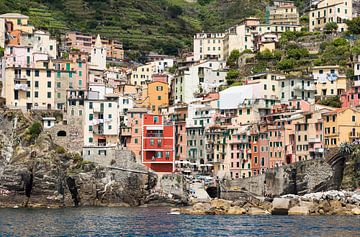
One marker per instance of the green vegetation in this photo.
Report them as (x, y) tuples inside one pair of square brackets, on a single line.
[(33, 132), (166, 26), (330, 27), (351, 177), (232, 76), (233, 59), (333, 101), (354, 26)]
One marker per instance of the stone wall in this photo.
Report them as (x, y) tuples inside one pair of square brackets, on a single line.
[(73, 139), (299, 178)]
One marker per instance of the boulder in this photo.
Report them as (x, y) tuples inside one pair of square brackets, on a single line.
[(221, 204), (257, 211), (299, 210), (280, 206), (201, 207), (236, 211), (355, 211), (335, 204)]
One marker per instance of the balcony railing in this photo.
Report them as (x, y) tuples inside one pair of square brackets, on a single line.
[(21, 87)]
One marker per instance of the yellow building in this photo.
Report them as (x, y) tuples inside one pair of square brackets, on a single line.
[(329, 81), (16, 21), (156, 95), (341, 125), (30, 88), (283, 12), (141, 75), (325, 11)]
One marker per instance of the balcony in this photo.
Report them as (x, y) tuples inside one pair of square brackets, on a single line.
[(98, 131), (314, 140), (21, 87), (20, 79)]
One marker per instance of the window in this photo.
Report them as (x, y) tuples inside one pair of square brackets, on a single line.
[(90, 139), (265, 87), (51, 47), (49, 95), (36, 95), (159, 88), (136, 130), (48, 73), (247, 111), (37, 73), (49, 84), (90, 105), (110, 105), (156, 119), (353, 118), (58, 84), (91, 117), (58, 95), (70, 74), (80, 73), (136, 141), (28, 72), (110, 116), (90, 128), (28, 94), (159, 97), (109, 127)]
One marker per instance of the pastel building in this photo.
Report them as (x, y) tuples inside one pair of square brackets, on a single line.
[(340, 126), (208, 46), (282, 12), (158, 143), (28, 79), (98, 56), (329, 81), (142, 75), (16, 21), (325, 11), (156, 95), (196, 78), (101, 121)]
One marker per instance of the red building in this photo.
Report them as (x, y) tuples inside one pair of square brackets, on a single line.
[(158, 143)]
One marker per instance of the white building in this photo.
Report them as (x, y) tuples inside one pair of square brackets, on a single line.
[(98, 56), (101, 121), (197, 78), (208, 46)]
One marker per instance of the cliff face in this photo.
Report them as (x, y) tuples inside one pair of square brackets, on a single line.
[(43, 174), (298, 178)]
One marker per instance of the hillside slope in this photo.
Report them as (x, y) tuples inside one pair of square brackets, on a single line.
[(162, 25)]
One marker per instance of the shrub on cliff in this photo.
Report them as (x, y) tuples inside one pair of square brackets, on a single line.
[(33, 132)]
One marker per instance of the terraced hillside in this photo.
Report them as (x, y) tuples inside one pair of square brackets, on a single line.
[(163, 25)]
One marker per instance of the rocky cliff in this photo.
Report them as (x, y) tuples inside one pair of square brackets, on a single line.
[(36, 172)]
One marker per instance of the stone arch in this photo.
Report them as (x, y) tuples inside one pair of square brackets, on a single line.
[(61, 133)]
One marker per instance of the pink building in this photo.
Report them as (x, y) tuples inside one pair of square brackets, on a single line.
[(133, 137), (351, 98)]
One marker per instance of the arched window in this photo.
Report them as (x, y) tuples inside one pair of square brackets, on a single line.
[(61, 133)]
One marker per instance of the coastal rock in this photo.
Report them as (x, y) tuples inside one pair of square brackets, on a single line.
[(280, 206), (299, 210), (257, 211), (356, 211), (220, 204), (236, 211)]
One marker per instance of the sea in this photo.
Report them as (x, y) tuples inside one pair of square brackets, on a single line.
[(157, 221)]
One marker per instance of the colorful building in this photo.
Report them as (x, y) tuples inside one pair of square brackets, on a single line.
[(158, 143)]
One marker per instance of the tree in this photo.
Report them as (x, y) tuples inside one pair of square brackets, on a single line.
[(354, 25), (286, 64), (175, 11), (232, 76), (1, 51), (333, 101), (331, 27), (233, 59)]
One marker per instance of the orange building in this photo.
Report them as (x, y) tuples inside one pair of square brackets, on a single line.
[(156, 95)]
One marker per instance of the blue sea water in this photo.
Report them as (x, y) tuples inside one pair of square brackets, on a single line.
[(158, 222)]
